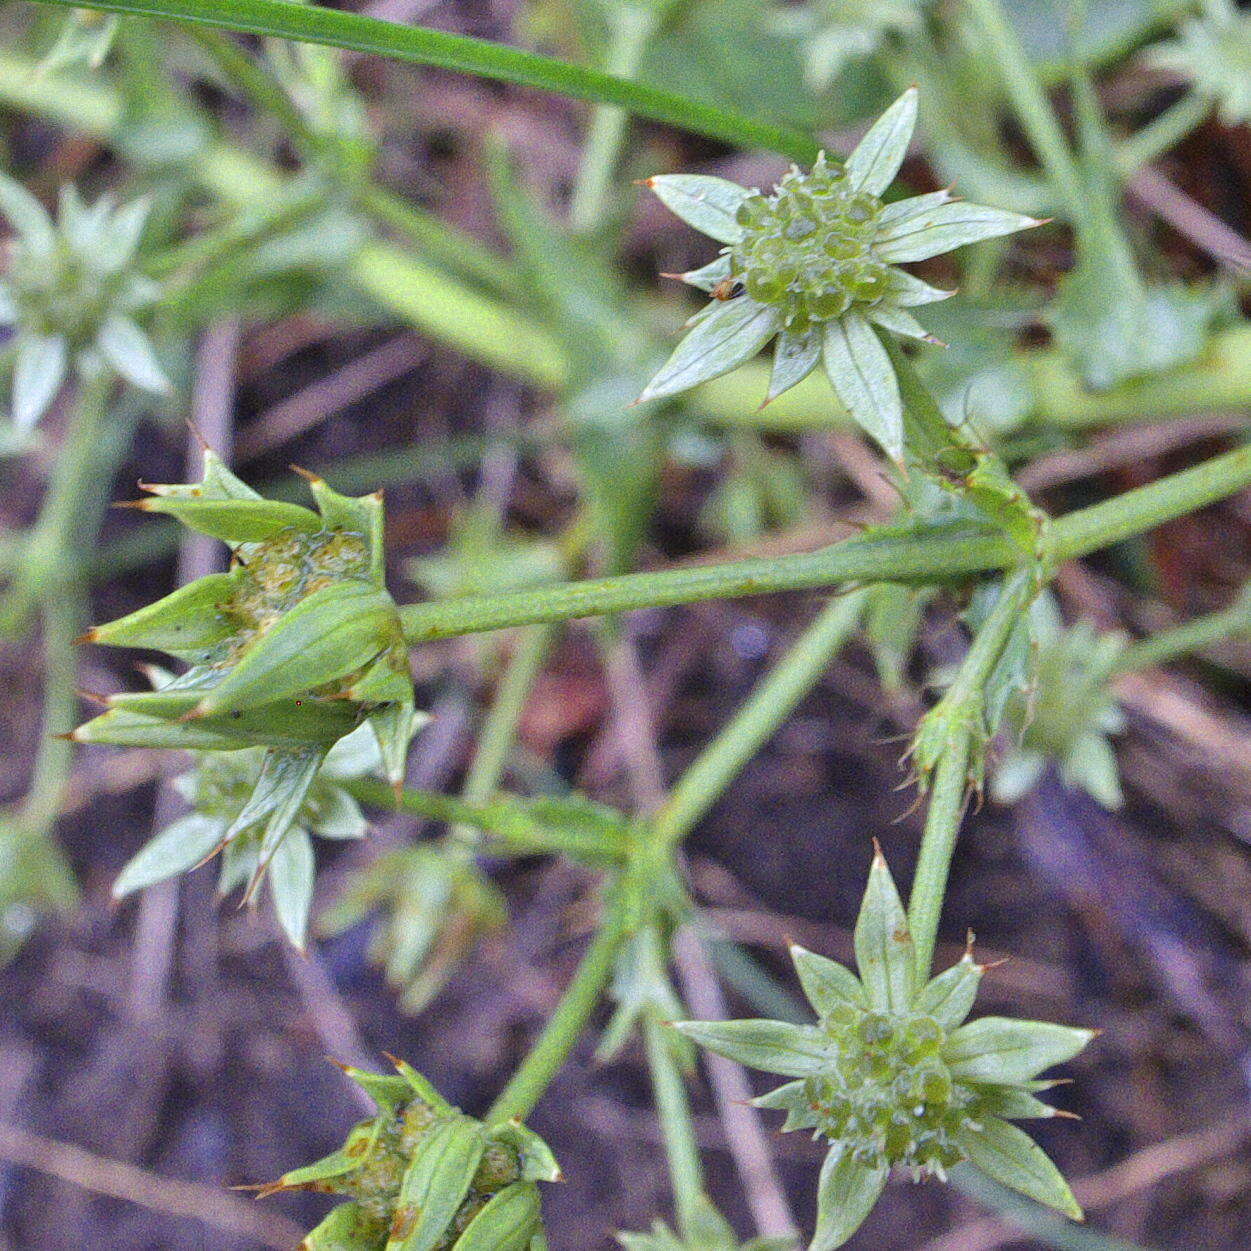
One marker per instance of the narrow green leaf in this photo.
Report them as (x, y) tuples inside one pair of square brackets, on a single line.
[(944, 227), (38, 372), (729, 333), (861, 375), (277, 794), (130, 352), (233, 520), (1012, 1158), (1013, 1104), (794, 358), (507, 1223), (827, 984), (1000, 1049), (326, 636), (949, 997), (314, 23), (292, 869), (771, 1046), (182, 623), (846, 1194), (709, 204), (177, 848), (436, 1184), (876, 159), (884, 952), (333, 813)]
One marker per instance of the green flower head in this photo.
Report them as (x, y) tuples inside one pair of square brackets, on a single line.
[(291, 650), (420, 1175), (71, 292), (814, 264), (891, 1074), (253, 847)]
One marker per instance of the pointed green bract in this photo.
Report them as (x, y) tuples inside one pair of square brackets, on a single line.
[(884, 951), (949, 997), (864, 379), (827, 984), (183, 624), (876, 159), (1000, 1049), (846, 1193), (709, 204), (1012, 1158), (772, 1046)]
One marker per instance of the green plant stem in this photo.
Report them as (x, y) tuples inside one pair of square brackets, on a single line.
[(772, 701), (686, 1173), (355, 32), (948, 791), (499, 729), (1190, 636), (889, 557), (1162, 133), (49, 552), (962, 707), (565, 1025), (1033, 110), (632, 27)]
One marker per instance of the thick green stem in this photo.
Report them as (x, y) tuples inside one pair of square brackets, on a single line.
[(632, 27), (564, 1026), (314, 23), (686, 1174), (927, 559), (768, 706)]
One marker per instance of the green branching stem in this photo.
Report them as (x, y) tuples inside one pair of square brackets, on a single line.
[(1190, 636), (565, 1025), (355, 32), (686, 1173), (928, 558)]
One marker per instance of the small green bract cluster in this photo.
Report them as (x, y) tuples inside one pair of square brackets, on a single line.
[(421, 1173), (891, 1073), (808, 246)]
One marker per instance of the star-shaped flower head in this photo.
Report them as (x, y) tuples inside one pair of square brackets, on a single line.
[(702, 1228), (1214, 53), (814, 263), (891, 1075), (71, 292), (219, 789), (422, 1176)]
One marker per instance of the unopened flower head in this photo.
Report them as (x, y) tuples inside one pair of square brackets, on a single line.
[(890, 1074), (421, 1173), (814, 264), (71, 291)]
